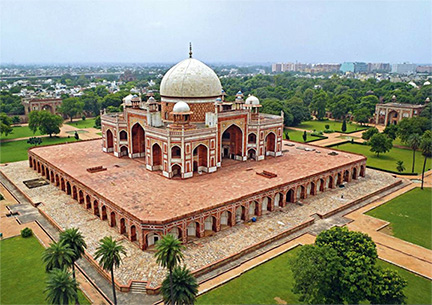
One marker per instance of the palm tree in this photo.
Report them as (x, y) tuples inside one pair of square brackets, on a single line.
[(426, 148), (58, 255), (61, 287), (109, 255), (414, 143), (184, 285), (76, 242), (168, 255)]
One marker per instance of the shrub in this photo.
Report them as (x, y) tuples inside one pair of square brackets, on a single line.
[(327, 126), (328, 131), (317, 133), (26, 232), (369, 133), (83, 117)]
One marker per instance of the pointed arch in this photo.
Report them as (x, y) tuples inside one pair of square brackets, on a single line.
[(138, 140), (109, 140), (156, 156), (232, 143)]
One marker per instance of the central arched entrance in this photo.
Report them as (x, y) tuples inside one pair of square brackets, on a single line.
[(232, 143), (200, 155), (270, 144), (138, 141)]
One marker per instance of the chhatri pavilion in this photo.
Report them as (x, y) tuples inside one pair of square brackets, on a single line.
[(191, 164)]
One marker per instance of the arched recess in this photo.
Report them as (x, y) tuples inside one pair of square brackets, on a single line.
[(301, 192), (240, 214), (252, 138), (311, 188), (266, 204), (193, 229), (49, 108), (290, 197), (362, 170), (225, 219), (81, 197), (346, 176), (138, 141), (133, 233), (113, 219), (321, 185), (278, 200), (152, 238), (175, 152), (109, 140), (123, 226), (38, 167), (68, 188), (210, 224), (96, 208), (104, 213), (270, 144), (124, 151), (200, 156), (48, 174), (232, 143), (123, 135), (52, 177), (175, 232), (329, 182), (253, 209), (62, 185), (176, 171), (339, 178), (43, 170), (31, 162), (251, 154), (157, 157), (88, 202), (74, 193), (354, 173), (57, 180)]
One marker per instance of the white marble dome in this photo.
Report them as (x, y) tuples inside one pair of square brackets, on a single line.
[(181, 107), (252, 100), (190, 78)]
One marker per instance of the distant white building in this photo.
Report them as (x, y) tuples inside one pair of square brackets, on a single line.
[(404, 68)]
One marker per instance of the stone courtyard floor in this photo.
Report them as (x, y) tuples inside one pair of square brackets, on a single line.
[(141, 265)]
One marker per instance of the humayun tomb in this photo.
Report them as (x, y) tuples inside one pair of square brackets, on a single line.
[(191, 164)]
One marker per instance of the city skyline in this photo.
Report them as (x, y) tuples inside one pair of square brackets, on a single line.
[(73, 32)]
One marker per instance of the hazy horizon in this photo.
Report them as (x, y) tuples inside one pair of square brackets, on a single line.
[(222, 32)]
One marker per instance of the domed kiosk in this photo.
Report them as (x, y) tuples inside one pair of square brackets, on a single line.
[(193, 82)]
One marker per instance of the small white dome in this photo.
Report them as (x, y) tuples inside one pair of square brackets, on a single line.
[(426, 83), (252, 100), (181, 107), (128, 100)]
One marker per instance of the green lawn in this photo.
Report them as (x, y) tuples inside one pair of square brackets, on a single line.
[(17, 150), (20, 132), (297, 135), (23, 273), (334, 125), (409, 215), (87, 123), (273, 279), (388, 160)]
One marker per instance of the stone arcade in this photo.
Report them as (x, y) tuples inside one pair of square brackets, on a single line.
[(238, 166)]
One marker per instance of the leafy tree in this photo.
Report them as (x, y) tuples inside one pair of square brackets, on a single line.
[(391, 131), (109, 255), (34, 141), (16, 119), (410, 126), (344, 126), (275, 106), (185, 287), (362, 115), (77, 244), (46, 122), (169, 255), (380, 143), (400, 167), (387, 287), (5, 124), (58, 255), (304, 136), (426, 148), (298, 110), (414, 141), (369, 133), (71, 107), (317, 272), (308, 96), (98, 122), (61, 287), (319, 103), (10, 104)]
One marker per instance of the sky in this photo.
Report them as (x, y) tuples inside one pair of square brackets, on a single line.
[(73, 31)]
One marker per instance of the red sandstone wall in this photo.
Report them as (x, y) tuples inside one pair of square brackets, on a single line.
[(199, 110)]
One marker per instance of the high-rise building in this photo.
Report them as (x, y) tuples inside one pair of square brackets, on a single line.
[(355, 67), (405, 68), (379, 67)]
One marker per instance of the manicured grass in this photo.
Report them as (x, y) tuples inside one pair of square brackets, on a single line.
[(297, 135), (409, 215), (334, 125), (258, 286), (274, 279), (388, 160), (20, 132), (17, 150), (23, 274), (87, 123), (418, 290)]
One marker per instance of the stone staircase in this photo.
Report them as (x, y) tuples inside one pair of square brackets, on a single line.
[(138, 287)]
